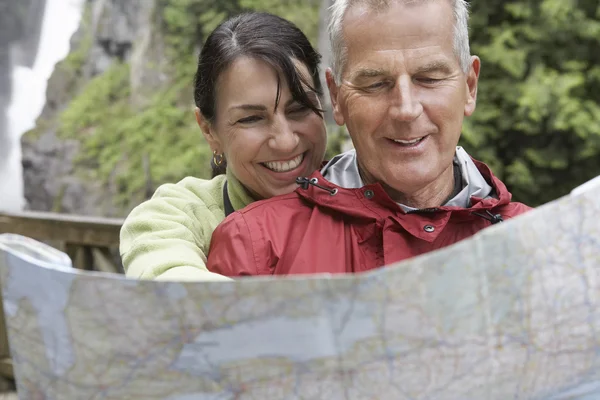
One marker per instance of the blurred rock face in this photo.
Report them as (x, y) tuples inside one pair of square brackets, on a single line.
[(112, 31)]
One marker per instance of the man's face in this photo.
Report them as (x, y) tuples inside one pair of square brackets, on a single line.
[(403, 95)]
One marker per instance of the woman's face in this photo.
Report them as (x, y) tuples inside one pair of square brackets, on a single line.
[(266, 148)]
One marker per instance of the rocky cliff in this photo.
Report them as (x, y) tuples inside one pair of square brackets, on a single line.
[(119, 115), (54, 178)]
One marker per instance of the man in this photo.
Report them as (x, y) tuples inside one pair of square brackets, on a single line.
[(402, 81)]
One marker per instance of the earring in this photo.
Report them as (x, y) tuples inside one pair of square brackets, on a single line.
[(217, 158)]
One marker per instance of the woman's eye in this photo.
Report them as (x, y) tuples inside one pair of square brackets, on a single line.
[(250, 119), (299, 109)]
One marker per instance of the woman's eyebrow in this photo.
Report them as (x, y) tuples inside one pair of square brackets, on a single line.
[(249, 107)]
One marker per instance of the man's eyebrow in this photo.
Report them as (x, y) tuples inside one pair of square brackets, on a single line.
[(368, 73), (249, 107), (434, 66)]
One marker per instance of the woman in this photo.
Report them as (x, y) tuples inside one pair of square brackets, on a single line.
[(257, 94)]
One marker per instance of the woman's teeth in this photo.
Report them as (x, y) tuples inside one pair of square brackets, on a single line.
[(284, 166)]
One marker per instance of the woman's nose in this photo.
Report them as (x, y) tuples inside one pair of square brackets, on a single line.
[(284, 138)]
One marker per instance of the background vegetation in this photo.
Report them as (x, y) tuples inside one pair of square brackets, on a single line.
[(538, 112), (537, 122)]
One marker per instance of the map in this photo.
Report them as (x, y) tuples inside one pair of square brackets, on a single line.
[(511, 313)]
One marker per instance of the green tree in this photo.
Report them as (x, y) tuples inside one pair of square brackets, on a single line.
[(538, 112)]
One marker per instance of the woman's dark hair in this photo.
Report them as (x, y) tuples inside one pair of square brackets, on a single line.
[(262, 36)]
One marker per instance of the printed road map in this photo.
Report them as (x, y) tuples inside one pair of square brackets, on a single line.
[(512, 313)]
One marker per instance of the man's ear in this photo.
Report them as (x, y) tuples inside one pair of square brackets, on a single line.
[(334, 92), (207, 131), (472, 80)]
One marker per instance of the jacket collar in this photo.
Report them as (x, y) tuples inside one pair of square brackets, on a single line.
[(342, 171), (473, 182), (238, 196), (351, 200)]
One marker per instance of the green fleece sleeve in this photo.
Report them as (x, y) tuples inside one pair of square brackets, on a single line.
[(168, 236)]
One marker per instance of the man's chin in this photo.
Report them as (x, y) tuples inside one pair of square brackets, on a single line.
[(408, 180)]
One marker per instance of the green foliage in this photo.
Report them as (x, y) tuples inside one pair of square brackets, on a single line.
[(164, 135), (337, 139), (128, 148), (187, 23), (75, 60), (83, 114), (538, 111), (94, 116)]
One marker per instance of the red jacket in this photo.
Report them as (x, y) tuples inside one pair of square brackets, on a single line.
[(314, 231)]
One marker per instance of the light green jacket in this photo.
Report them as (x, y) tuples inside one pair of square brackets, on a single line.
[(168, 236)]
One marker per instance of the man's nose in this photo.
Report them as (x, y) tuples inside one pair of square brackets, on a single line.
[(406, 104), (284, 138)]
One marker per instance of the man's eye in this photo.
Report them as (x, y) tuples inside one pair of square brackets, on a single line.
[(250, 119), (376, 85), (428, 81)]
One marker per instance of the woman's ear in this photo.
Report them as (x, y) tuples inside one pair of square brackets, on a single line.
[(207, 131)]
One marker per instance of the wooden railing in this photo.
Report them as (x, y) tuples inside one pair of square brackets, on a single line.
[(91, 243)]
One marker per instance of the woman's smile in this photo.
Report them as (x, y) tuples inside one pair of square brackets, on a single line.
[(284, 165)]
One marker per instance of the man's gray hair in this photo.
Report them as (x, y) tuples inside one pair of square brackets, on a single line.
[(336, 35)]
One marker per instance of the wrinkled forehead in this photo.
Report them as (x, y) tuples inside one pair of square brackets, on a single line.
[(358, 10), (412, 37)]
